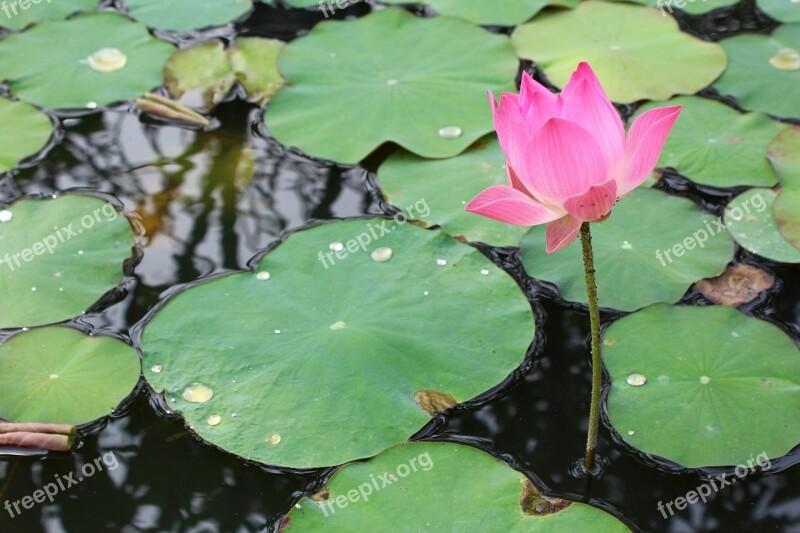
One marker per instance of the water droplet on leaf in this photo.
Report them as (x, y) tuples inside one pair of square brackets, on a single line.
[(636, 380), (197, 393), (382, 255), (107, 60), (450, 132)]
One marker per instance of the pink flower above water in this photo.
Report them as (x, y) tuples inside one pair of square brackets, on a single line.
[(568, 157)]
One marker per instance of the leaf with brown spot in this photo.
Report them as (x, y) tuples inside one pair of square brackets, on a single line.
[(738, 285), (534, 503), (433, 402)]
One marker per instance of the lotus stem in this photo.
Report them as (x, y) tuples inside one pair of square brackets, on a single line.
[(597, 358)]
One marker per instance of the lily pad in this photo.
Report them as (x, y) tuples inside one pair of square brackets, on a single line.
[(446, 185), (757, 231), (495, 13), (13, 17), (438, 486), (59, 375), (648, 251), (23, 132), (408, 85), (781, 10), (213, 69), (185, 15), (714, 144), (636, 52), (88, 61), (764, 71), (316, 366), (58, 257), (784, 153), (719, 386)]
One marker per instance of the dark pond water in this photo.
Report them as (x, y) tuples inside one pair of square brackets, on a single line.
[(204, 214)]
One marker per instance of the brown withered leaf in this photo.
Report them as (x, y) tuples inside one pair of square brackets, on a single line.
[(433, 402), (738, 285), (534, 503)]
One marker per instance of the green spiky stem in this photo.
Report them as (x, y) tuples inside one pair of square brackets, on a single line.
[(597, 358)]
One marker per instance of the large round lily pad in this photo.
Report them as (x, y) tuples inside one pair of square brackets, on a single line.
[(23, 132), (88, 61), (313, 366), (636, 52), (757, 230), (185, 15), (429, 486), (58, 257), (494, 13), (714, 144), (764, 71), (781, 10), (784, 152), (719, 387), (652, 249), (59, 375), (446, 185), (404, 82), (13, 17)]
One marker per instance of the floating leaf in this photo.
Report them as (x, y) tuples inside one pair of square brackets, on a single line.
[(405, 82), (447, 185), (14, 17), (438, 486), (636, 52), (784, 153), (495, 13), (88, 61), (58, 257), (185, 15), (714, 144), (720, 387), (23, 132), (61, 376), (738, 285), (764, 71), (781, 10), (756, 229), (652, 249), (285, 348)]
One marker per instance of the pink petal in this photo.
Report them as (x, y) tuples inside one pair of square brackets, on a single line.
[(586, 103), (562, 232), (511, 206), (509, 125), (561, 160), (514, 181), (537, 104), (595, 204), (643, 146)]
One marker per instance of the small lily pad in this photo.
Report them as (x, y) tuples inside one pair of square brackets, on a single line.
[(185, 15), (438, 486), (781, 10), (23, 131), (285, 348), (84, 62), (720, 386), (447, 185), (714, 144), (757, 231), (58, 257), (494, 13), (652, 249), (405, 83), (13, 17), (784, 153), (764, 71), (59, 375), (636, 52)]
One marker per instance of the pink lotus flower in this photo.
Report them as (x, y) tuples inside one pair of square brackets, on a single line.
[(568, 158)]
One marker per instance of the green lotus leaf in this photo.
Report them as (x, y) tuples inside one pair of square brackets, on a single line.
[(446, 185), (213, 70), (23, 132), (756, 230), (14, 17), (636, 52), (439, 486), (653, 248), (185, 15), (764, 71), (785, 156), (58, 375), (314, 366), (714, 144), (88, 61), (406, 84), (58, 257), (719, 387), (781, 10), (495, 13)]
